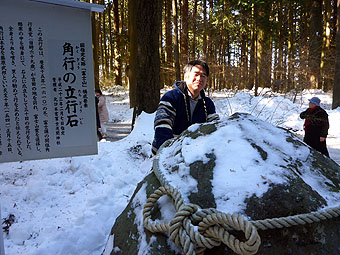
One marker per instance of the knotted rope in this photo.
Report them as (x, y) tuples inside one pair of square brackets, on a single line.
[(182, 230), (213, 226)]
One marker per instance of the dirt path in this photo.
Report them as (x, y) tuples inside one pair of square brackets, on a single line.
[(117, 130)]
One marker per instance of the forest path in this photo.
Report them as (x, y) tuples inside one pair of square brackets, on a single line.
[(117, 130)]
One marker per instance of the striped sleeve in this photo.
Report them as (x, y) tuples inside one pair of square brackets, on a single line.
[(211, 110), (164, 121), (212, 117)]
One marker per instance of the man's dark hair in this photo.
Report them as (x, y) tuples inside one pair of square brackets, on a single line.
[(193, 63)]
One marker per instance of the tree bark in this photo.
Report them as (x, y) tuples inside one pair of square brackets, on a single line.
[(328, 52), (184, 32), (176, 40), (264, 50), (168, 43), (111, 57), (315, 43), (117, 45), (104, 39), (336, 86), (194, 29), (95, 44), (291, 49), (144, 24)]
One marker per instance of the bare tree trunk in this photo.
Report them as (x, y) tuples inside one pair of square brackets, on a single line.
[(205, 28), (280, 72), (168, 42), (210, 49), (328, 52), (336, 86), (264, 42), (303, 49), (144, 23), (184, 32), (111, 57), (101, 49), (161, 49), (291, 49), (104, 50), (244, 51), (194, 29), (124, 39), (176, 45), (315, 43), (95, 44), (117, 45)]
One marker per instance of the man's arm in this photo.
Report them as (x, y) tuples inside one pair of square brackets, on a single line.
[(164, 120), (211, 110)]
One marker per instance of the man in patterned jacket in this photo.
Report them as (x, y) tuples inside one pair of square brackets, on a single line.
[(184, 105)]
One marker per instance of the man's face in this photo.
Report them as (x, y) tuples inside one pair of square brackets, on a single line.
[(196, 80)]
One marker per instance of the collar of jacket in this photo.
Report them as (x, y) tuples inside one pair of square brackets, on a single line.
[(182, 87)]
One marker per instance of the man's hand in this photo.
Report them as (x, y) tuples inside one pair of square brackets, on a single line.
[(322, 139)]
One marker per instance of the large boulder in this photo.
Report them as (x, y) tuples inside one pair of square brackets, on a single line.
[(240, 165)]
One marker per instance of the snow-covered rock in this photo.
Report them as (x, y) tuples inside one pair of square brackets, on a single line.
[(242, 165)]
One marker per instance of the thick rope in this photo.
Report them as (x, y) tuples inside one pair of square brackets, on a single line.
[(213, 226)]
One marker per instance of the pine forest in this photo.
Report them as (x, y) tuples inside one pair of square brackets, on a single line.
[(284, 45)]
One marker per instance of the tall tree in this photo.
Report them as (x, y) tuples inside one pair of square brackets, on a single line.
[(303, 49), (168, 42), (176, 40), (104, 38), (184, 32), (328, 51), (291, 48), (95, 44), (205, 28), (264, 43), (111, 42), (244, 49), (194, 29), (315, 43), (253, 51), (279, 72), (144, 25), (336, 86), (117, 45)]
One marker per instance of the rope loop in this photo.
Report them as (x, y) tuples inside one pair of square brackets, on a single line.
[(182, 229), (210, 225), (195, 229)]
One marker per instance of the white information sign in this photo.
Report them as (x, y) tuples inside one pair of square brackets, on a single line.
[(46, 81)]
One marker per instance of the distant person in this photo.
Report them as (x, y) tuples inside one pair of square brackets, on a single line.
[(99, 134), (103, 112), (316, 126), (184, 105)]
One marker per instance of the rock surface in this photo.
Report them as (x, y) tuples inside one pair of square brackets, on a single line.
[(281, 176)]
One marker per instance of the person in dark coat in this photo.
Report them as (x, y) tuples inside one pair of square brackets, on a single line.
[(185, 105), (316, 126)]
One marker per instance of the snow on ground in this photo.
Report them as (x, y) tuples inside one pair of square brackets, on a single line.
[(67, 206)]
